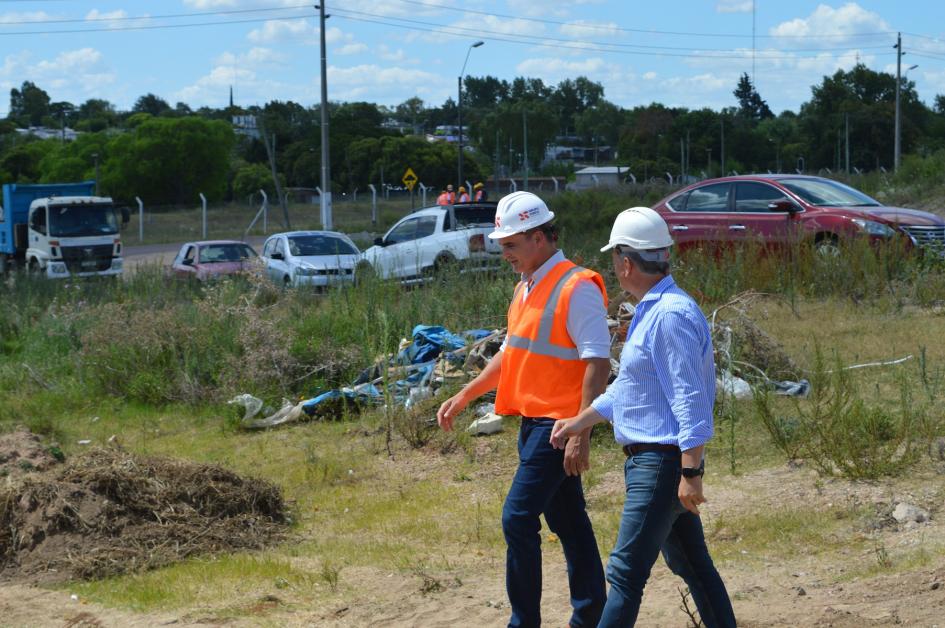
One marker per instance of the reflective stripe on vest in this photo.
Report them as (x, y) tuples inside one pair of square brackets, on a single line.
[(542, 345)]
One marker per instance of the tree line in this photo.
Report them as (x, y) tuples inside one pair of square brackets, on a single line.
[(168, 154)]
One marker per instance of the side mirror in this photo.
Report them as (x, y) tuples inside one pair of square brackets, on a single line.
[(187, 262), (783, 206), (277, 255), (378, 241)]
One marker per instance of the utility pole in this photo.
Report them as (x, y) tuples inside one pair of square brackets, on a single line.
[(326, 170), (896, 145), (459, 112), (495, 168), (722, 133), (525, 146), (846, 121), (682, 158)]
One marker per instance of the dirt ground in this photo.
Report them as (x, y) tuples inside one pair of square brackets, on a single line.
[(818, 589)]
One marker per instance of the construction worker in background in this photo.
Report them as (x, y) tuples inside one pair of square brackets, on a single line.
[(479, 193), (554, 362), (443, 198), (660, 407), (451, 193), (463, 196)]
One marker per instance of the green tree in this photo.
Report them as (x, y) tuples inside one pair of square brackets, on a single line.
[(170, 160), (29, 104), (751, 105), (150, 103)]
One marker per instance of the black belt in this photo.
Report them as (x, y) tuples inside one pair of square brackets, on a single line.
[(638, 448)]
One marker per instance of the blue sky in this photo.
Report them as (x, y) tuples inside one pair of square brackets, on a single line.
[(678, 52)]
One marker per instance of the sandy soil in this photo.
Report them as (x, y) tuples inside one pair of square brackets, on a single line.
[(798, 590)]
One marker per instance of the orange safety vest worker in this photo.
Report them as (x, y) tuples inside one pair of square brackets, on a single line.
[(443, 199), (452, 196), (542, 371), (478, 195), (464, 198)]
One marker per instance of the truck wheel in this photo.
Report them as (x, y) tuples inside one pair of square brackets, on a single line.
[(442, 265), (3, 264), (33, 269)]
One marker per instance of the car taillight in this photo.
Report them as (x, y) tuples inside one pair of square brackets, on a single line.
[(477, 243)]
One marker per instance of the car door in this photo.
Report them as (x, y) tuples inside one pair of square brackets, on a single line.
[(700, 217), (428, 246), (188, 257), (398, 254), (763, 215)]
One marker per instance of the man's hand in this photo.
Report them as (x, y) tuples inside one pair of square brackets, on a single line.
[(577, 454), (450, 408), (690, 494), (561, 431)]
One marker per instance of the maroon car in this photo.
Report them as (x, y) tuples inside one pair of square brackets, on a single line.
[(213, 258), (781, 208)]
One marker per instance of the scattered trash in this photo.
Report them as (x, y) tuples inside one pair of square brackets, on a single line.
[(733, 386), (251, 404), (487, 421), (84, 441)]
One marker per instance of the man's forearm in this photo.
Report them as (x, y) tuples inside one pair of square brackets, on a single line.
[(487, 380), (693, 457), (595, 380)]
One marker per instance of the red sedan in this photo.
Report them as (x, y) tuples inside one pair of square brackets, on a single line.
[(781, 208), (213, 258)]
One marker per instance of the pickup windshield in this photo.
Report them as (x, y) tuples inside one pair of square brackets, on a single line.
[(304, 246), (825, 193), (73, 221)]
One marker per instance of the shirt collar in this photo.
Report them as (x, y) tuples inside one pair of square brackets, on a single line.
[(654, 293), (542, 270)]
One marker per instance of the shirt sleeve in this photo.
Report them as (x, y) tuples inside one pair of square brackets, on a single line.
[(604, 404), (685, 375), (587, 321)]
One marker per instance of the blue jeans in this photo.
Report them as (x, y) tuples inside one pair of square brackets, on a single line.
[(541, 486), (654, 519)]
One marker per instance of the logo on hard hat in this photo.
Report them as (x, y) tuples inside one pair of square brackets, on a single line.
[(523, 216), (497, 221)]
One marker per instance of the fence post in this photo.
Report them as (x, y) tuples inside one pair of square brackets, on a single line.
[(373, 204), (670, 177), (203, 201), (140, 219), (595, 180), (423, 192), (632, 178), (555, 181), (513, 187)]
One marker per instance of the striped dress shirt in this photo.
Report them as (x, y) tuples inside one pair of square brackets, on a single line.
[(665, 388)]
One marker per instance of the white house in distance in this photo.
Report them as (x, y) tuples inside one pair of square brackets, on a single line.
[(599, 176)]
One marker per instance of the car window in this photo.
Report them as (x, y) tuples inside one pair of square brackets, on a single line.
[(269, 248), (190, 254), (404, 232), (38, 221), (708, 198), (755, 197), (474, 216), (426, 226), (448, 221), (828, 193), (215, 253), (320, 244)]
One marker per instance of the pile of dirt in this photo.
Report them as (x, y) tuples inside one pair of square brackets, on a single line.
[(107, 512), (751, 344), (22, 452)]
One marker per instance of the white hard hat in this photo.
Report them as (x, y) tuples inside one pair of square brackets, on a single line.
[(641, 229), (518, 212)]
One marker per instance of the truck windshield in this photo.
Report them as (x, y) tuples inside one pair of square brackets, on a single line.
[(71, 221)]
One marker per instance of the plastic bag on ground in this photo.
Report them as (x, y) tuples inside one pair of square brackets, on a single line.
[(252, 405)]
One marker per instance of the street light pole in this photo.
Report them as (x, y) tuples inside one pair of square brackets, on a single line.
[(459, 110)]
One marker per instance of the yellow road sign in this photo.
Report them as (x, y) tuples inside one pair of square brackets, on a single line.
[(410, 179)]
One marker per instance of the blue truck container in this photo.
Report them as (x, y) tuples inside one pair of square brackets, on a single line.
[(17, 198)]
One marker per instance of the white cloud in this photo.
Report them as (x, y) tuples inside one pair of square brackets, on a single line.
[(386, 85), (832, 26), (584, 29), (554, 67), (274, 31), (734, 6), (31, 16), (544, 8), (351, 49), (649, 76), (73, 75)]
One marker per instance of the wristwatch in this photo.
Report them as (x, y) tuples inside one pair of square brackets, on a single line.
[(694, 472)]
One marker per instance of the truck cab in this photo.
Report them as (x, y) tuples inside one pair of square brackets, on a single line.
[(61, 230)]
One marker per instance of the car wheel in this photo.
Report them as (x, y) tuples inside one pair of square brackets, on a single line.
[(286, 282), (442, 265), (827, 247), (33, 269)]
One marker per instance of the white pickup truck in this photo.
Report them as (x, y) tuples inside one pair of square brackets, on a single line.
[(431, 239)]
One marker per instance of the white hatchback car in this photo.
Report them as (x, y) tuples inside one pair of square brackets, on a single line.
[(310, 258)]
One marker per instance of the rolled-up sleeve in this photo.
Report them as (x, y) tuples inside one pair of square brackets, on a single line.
[(604, 404), (684, 367), (587, 321)]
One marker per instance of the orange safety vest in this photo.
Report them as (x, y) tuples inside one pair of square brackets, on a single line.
[(443, 199), (542, 371), (452, 197), (478, 195), (464, 198)]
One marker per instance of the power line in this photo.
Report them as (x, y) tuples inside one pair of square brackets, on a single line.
[(555, 42), (148, 27), (128, 18), (433, 5)]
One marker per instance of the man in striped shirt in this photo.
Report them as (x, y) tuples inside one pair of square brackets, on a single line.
[(660, 406)]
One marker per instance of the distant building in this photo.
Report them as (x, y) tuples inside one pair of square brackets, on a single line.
[(602, 176), (246, 125), (46, 133), (558, 152)]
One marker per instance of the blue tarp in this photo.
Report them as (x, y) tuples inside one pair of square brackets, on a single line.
[(429, 341)]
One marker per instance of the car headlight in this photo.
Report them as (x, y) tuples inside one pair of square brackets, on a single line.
[(305, 271), (117, 264), (874, 228), (57, 268)]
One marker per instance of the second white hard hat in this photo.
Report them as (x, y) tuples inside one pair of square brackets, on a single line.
[(518, 212), (639, 228)]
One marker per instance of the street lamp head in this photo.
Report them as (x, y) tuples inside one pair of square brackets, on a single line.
[(912, 67), (477, 44)]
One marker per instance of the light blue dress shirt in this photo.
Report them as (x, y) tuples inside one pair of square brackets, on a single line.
[(665, 388)]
